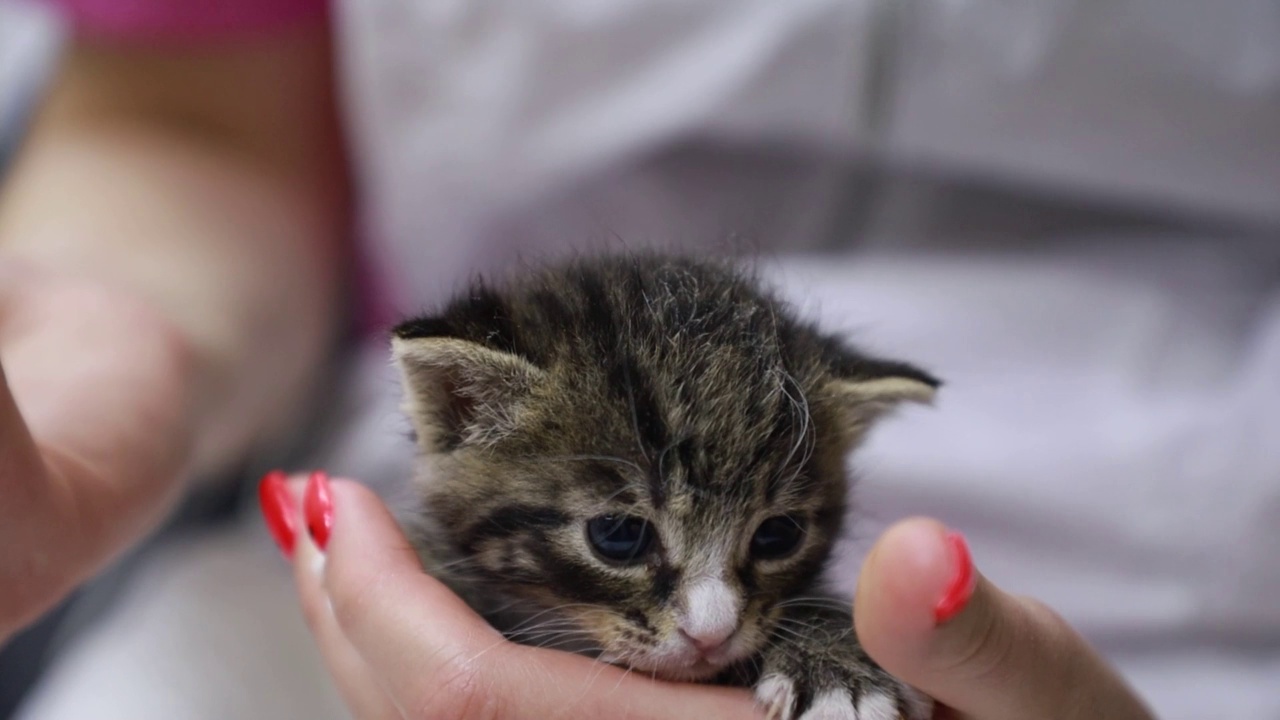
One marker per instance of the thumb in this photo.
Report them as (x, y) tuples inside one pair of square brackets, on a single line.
[(26, 494), (927, 616)]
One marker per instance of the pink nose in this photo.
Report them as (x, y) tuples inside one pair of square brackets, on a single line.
[(708, 641)]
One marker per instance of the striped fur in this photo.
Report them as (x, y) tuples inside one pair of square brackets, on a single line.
[(675, 390)]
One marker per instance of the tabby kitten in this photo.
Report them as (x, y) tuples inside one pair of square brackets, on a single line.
[(642, 459)]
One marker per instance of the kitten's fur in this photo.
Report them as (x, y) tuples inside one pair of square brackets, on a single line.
[(678, 393)]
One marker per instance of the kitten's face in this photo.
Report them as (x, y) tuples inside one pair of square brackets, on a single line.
[(672, 560), (680, 575), (640, 480)]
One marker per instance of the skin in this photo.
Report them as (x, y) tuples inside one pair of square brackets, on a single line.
[(172, 214), (402, 647), (207, 224)]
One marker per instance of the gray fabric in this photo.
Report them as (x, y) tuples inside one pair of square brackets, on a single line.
[(28, 42)]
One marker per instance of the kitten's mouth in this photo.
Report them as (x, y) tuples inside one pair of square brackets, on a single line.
[(700, 669), (703, 668), (681, 666)]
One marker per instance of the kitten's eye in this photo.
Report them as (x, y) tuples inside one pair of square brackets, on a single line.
[(620, 538), (776, 537)]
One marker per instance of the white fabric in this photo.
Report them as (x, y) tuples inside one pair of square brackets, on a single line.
[(1106, 440), (466, 109)]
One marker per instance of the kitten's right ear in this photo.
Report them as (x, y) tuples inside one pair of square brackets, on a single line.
[(459, 392), (866, 388)]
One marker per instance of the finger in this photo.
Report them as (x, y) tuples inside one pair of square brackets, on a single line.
[(360, 689), (26, 492), (91, 439), (924, 613), (440, 659)]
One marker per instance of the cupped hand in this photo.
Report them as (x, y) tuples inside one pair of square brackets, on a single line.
[(401, 646), (93, 408)]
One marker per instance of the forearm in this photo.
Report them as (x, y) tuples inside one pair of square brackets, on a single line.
[(230, 226)]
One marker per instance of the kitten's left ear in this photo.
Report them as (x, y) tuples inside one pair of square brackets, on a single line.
[(459, 391), (866, 388)]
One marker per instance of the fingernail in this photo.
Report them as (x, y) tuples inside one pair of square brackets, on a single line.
[(309, 556), (277, 510), (962, 583), (317, 508)]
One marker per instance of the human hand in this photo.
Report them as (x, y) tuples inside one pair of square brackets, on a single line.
[(93, 431), (401, 646), (925, 614)]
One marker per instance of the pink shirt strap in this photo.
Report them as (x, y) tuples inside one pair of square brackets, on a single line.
[(186, 20)]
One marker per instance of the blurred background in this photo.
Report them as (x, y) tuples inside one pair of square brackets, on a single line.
[(30, 40)]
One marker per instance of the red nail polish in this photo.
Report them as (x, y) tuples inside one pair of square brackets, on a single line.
[(962, 584), (317, 507), (277, 510)]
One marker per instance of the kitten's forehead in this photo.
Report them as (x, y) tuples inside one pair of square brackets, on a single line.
[(700, 538)]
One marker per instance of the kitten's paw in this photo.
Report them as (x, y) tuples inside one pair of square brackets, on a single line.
[(820, 673), (778, 696)]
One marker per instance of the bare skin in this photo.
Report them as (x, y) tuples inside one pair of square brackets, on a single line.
[(170, 214)]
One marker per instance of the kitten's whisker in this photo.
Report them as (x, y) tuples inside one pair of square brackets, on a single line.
[(533, 623), (459, 562), (478, 655), (817, 601), (558, 608), (592, 680), (504, 608), (557, 643), (788, 632), (785, 626), (803, 436), (527, 637), (543, 630), (624, 677)]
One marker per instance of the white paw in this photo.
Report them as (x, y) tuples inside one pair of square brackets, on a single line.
[(833, 705), (777, 695), (877, 706)]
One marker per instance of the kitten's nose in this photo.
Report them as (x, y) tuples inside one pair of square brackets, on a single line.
[(708, 642), (712, 614)]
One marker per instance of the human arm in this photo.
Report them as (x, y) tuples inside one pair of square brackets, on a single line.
[(170, 251)]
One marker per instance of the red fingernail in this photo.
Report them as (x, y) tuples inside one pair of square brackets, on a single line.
[(317, 507), (277, 510), (962, 584)]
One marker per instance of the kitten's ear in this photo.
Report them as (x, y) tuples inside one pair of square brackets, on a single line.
[(459, 391), (866, 388)]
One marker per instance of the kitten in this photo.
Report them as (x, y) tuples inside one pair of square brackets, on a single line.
[(642, 459)]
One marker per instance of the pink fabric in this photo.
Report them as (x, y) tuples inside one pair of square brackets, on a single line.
[(186, 20), (375, 311)]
